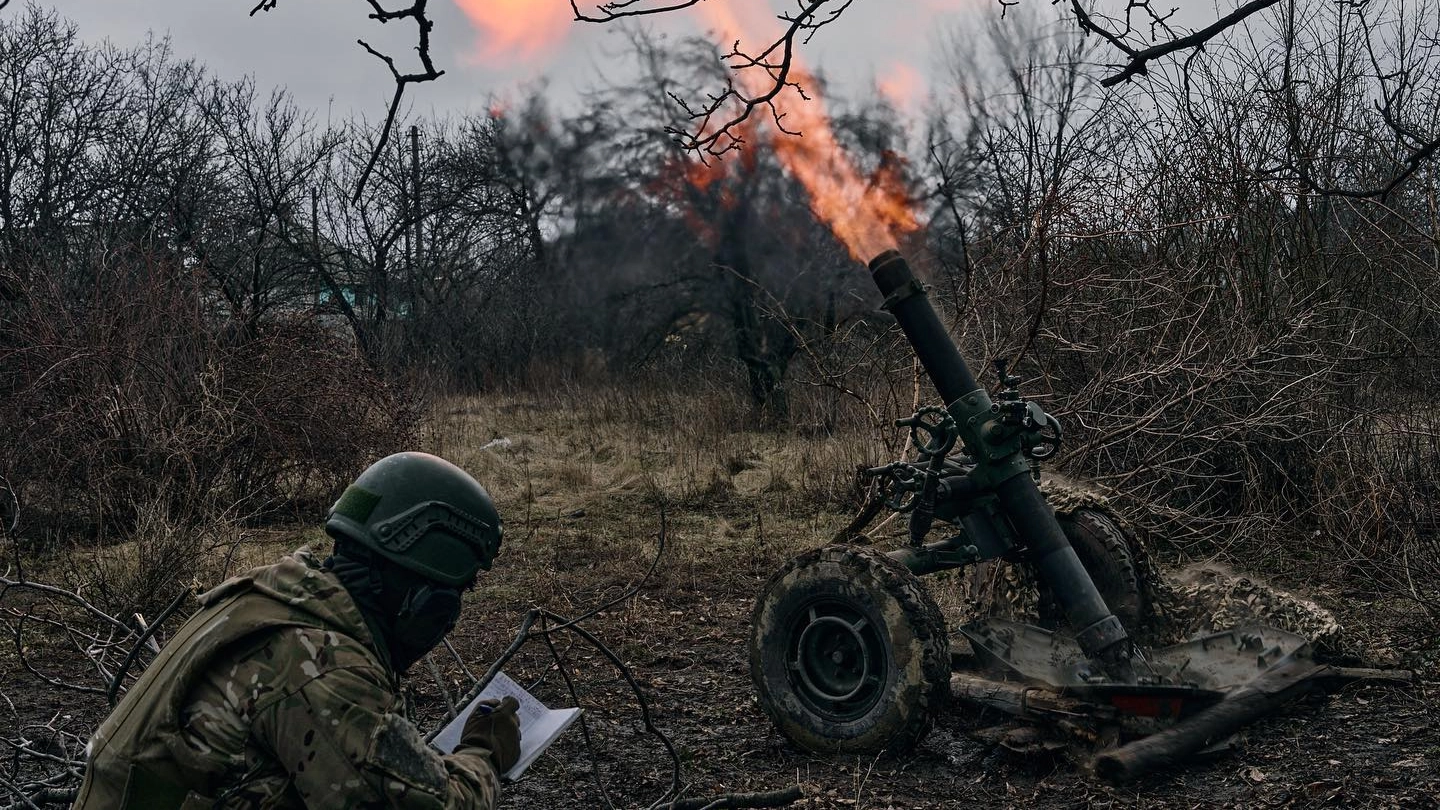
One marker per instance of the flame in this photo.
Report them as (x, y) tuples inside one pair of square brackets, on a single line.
[(516, 29), (500, 106), (699, 175), (867, 214), (682, 183), (903, 86), (701, 190)]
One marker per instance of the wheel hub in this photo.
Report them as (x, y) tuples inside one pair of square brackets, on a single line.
[(838, 660)]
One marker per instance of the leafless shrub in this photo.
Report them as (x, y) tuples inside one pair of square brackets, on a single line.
[(1378, 519), (129, 400), (61, 642)]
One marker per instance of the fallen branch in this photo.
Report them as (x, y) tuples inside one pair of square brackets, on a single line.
[(1278, 686)]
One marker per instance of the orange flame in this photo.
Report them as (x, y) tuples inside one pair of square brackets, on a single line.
[(867, 214), (903, 86), (512, 29), (680, 183), (701, 190)]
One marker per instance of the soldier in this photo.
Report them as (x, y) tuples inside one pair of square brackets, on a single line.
[(281, 691)]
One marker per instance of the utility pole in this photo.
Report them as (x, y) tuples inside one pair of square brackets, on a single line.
[(415, 194), (315, 243), (407, 216)]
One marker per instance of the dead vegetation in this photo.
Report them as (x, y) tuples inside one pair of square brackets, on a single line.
[(582, 476), (156, 433)]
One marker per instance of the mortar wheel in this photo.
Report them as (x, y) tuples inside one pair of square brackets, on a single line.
[(849, 654), (1105, 552)]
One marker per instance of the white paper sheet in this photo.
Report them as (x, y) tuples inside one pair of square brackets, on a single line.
[(539, 725)]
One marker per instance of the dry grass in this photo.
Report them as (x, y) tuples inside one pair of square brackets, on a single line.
[(595, 466), (555, 454)]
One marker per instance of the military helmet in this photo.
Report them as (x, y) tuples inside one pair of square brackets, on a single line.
[(422, 513)]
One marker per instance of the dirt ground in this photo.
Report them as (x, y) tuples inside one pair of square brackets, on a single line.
[(583, 497)]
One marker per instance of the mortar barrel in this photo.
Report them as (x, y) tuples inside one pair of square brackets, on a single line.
[(907, 301), (1097, 629)]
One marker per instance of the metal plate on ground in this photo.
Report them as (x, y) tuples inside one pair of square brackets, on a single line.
[(1217, 662), (1228, 659)]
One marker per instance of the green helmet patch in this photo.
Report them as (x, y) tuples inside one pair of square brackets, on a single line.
[(422, 513)]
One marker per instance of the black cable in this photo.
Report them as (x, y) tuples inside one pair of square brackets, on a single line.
[(646, 719), (584, 727)]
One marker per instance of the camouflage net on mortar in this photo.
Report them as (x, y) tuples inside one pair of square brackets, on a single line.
[(1178, 605)]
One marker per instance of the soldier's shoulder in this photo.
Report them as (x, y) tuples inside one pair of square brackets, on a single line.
[(313, 651), (285, 658)]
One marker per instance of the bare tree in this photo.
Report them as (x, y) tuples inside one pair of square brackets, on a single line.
[(250, 229), (60, 109), (418, 13), (730, 266), (1216, 327)]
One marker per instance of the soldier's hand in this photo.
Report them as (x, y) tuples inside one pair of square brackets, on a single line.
[(496, 730)]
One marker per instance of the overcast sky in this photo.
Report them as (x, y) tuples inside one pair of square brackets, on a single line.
[(309, 45)]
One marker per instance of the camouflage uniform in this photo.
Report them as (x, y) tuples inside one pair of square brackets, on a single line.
[(274, 696)]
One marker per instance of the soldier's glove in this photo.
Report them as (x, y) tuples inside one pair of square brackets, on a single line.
[(496, 730)]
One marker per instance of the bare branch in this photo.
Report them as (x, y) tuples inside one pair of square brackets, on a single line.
[(1138, 63), (7, 583), (20, 794), (10, 522), (424, 25), (625, 8), (760, 76), (1394, 86), (763, 75)]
